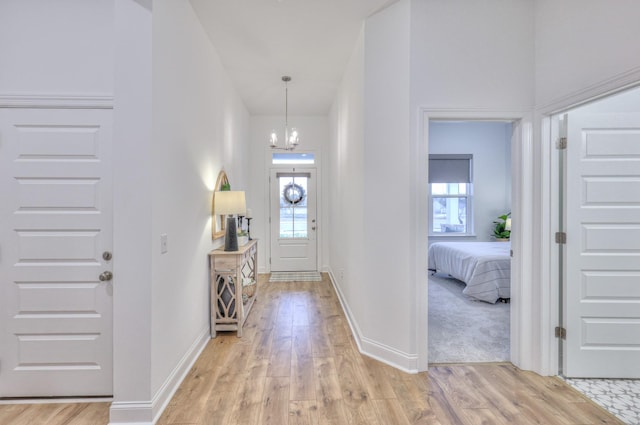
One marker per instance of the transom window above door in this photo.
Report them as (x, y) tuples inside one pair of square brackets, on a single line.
[(293, 158)]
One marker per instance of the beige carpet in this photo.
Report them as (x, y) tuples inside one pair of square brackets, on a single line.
[(464, 330)]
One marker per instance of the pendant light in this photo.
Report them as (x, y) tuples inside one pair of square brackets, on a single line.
[(291, 136)]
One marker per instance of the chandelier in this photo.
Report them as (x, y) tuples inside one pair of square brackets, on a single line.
[(291, 136)]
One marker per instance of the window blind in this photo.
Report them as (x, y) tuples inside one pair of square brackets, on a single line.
[(450, 168), (293, 174)]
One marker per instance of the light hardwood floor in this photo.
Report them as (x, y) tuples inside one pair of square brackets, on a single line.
[(297, 364)]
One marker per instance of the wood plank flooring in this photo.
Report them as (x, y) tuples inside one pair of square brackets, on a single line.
[(297, 364)]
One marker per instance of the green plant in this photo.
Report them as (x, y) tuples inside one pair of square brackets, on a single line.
[(499, 229)]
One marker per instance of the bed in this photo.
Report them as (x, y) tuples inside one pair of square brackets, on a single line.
[(485, 267)]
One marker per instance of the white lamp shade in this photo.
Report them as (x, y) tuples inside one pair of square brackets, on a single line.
[(229, 202)]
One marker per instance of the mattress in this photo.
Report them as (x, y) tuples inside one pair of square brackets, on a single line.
[(485, 267)]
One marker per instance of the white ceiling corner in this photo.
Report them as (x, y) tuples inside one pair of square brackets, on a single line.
[(259, 41)]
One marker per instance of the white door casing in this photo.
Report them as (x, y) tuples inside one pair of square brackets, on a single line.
[(602, 253), (56, 222), (293, 219)]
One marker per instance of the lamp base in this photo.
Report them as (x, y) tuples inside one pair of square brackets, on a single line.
[(231, 235)]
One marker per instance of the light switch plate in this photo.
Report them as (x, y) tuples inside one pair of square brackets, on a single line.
[(164, 244)]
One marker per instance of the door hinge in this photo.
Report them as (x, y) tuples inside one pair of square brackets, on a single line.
[(562, 143), (561, 332), (561, 237)]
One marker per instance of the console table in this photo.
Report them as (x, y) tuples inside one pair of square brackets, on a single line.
[(233, 274)]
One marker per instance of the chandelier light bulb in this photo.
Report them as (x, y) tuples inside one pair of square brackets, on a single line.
[(273, 140), (294, 138)]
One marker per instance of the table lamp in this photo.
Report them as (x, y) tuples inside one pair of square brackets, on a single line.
[(229, 202)]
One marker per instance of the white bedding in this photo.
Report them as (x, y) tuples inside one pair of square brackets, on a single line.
[(485, 267)]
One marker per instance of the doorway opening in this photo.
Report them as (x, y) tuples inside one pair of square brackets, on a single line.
[(470, 208)]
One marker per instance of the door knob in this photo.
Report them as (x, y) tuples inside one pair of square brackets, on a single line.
[(106, 256), (105, 276)]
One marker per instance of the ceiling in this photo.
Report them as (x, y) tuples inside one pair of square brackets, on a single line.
[(259, 41)]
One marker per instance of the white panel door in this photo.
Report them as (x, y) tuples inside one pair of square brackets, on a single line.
[(293, 220), (602, 269), (55, 225)]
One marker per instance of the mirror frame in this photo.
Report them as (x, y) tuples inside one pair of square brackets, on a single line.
[(218, 227)]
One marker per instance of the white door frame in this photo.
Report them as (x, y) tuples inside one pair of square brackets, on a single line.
[(312, 205), (550, 219), (548, 208), (84, 104), (522, 325), (320, 212)]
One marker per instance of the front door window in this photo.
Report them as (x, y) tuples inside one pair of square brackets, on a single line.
[(293, 207)]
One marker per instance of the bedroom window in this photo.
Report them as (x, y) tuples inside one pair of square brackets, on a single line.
[(450, 195)]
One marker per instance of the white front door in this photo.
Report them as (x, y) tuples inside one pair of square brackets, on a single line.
[(55, 225), (602, 260), (293, 220)]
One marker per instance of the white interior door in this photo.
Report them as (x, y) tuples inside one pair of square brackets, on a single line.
[(55, 224), (293, 220), (602, 260)]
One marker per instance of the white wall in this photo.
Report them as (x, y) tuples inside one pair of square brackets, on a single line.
[(387, 323), (132, 210), (40, 35), (469, 54), (346, 180), (314, 136), (581, 44), (199, 126), (489, 143)]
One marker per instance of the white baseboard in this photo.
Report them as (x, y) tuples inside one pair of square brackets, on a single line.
[(131, 412), (404, 361), (147, 413)]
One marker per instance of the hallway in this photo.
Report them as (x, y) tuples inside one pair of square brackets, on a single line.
[(298, 364)]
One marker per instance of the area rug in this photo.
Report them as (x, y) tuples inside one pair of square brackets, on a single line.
[(464, 330), (295, 277)]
